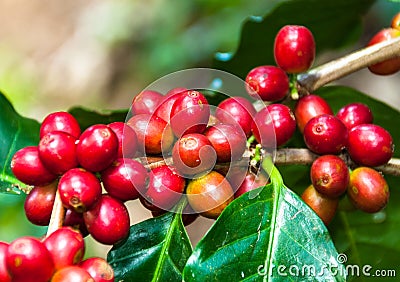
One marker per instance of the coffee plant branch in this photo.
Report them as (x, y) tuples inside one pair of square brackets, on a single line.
[(306, 83), (317, 77)]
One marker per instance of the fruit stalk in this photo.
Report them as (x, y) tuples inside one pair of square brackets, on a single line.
[(315, 78), (57, 215)]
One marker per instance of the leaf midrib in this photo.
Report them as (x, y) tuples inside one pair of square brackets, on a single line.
[(168, 238)]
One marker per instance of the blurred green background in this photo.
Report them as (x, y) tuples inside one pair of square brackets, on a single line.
[(56, 54)]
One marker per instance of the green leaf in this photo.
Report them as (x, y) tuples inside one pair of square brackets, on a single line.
[(16, 132), (272, 236), (333, 23), (156, 250), (87, 117)]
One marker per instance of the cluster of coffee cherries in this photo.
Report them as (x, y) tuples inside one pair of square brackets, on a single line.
[(76, 164), (349, 131), (368, 145), (56, 258), (390, 66), (195, 146)]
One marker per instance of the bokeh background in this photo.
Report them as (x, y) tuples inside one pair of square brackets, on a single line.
[(99, 54)]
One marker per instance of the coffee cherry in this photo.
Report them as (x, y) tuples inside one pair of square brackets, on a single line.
[(28, 260), (4, 275), (324, 206), (193, 154), (165, 187), (99, 269), (237, 111), (370, 145), (79, 189), (354, 114), (97, 147), (108, 221), (124, 179), (228, 141), (39, 204), (190, 113), (165, 107), (75, 220), (325, 134), (127, 139), (154, 134), (390, 66), (310, 106), (146, 102), (269, 83), (276, 121), (60, 121), (209, 194), (294, 48), (57, 151), (29, 169), (72, 273), (330, 175), (66, 247), (250, 182), (368, 190), (396, 21)]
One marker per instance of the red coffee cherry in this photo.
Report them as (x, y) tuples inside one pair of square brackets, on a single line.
[(154, 134), (60, 121), (57, 151), (146, 102), (99, 269), (325, 134), (72, 273), (275, 119), (390, 66), (28, 260), (324, 206), (108, 221), (250, 182), (228, 141), (79, 189), (370, 145), (237, 111), (310, 106), (4, 275), (355, 114), (66, 247), (39, 202), (294, 48), (127, 139), (209, 194), (269, 83), (193, 154), (29, 169), (368, 190), (165, 188), (165, 107), (75, 220), (190, 113), (330, 175), (124, 179), (97, 148)]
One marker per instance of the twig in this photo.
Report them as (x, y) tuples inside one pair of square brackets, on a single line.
[(57, 215), (333, 70)]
